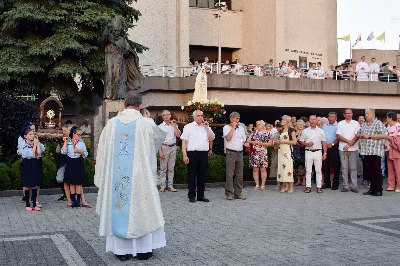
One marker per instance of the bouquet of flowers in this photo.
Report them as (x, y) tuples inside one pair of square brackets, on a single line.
[(50, 114), (210, 108)]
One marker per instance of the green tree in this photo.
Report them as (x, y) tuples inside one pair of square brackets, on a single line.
[(45, 43)]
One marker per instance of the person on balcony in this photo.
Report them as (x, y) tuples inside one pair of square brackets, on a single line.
[(362, 70), (374, 69)]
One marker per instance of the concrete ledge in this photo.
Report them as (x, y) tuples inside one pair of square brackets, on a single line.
[(255, 83), (57, 191)]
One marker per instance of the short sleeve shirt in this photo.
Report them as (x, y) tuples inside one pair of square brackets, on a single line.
[(315, 135), (372, 146)]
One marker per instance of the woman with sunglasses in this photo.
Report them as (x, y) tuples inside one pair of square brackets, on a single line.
[(74, 175)]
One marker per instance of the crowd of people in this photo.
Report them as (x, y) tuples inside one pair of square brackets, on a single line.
[(362, 71), (315, 148)]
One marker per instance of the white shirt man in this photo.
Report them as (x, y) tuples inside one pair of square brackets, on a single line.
[(362, 70), (235, 137), (239, 69), (313, 138), (257, 71), (374, 68), (226, 69), (167, 151), (320, 71), (348, 149), (196, 139)]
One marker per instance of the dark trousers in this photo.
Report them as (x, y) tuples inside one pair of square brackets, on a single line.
[(373, 172), (334, 159), (197, 169)]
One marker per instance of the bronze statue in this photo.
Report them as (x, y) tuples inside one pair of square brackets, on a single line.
[(122, 63)]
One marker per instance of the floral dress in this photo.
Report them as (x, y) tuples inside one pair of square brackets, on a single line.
[(259, 154), (285, 161)]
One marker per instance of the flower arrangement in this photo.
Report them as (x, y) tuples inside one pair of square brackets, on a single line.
[(50, 114), (210, 108)]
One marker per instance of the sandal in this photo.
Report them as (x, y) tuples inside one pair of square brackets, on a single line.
[(87, 205), (284, 191), (263, 188), (291, 191), (277, 188), (319, 190), (256, 188), (297, 184), (308, 190), (69, 205)]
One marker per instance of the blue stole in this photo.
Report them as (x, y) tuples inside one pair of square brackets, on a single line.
[(124, 147)]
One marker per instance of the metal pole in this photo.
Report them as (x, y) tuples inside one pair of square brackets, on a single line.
[(219, 38)]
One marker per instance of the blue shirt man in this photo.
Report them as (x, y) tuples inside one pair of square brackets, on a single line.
[(332, 157)]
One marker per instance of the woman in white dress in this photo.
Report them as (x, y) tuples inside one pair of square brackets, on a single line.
[(200, 88)]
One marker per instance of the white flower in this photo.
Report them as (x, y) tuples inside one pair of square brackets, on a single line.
[(222, 105), (224, 112), (182, 107), (189, 102), (50, 114)]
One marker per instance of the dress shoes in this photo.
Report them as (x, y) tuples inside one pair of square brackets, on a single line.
[(204, 199), (324, 186), (335, 188), (122, 257), (144, 256), (369, 192), (376, 194), (192, 200), (240, 197)]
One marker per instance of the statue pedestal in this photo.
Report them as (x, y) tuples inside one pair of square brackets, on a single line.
[(103, 113)]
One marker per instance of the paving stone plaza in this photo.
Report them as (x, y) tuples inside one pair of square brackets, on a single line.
[(268, 228)]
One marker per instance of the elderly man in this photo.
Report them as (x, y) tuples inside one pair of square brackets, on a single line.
[(313, 138), (362, 69), (196, 137), (128, 202), (348, 149), (332, 153), (235, 137), (168, 151), (372, 136)]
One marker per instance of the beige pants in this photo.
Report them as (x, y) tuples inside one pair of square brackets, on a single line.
[(167, 165)]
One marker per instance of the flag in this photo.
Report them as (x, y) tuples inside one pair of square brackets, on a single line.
[(358, 40), (371, 37), (345, 38), (381, 37)]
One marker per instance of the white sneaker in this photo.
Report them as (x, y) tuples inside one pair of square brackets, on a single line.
[(397, 190)]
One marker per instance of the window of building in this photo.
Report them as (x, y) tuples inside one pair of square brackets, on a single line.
[(208, 3)]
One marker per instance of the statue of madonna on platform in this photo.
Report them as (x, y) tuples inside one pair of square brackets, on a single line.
[(122, 72), (200, 87)]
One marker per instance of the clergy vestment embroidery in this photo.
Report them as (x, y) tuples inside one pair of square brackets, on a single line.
[(124, 148)]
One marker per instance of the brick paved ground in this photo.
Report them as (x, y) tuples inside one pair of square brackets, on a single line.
[(268, 228)]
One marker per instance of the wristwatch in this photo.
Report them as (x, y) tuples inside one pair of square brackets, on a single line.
[(333, 144)]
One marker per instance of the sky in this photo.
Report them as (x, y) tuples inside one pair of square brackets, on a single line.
[(365, 16)]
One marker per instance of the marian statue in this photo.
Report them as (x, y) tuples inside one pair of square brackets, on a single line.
[(200, 88), (122, 72)]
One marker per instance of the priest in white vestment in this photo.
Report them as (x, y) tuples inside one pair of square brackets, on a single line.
[(374, 69), (128, 202), (362, 70)]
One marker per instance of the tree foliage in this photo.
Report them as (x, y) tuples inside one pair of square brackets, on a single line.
[(14, 113), (45, 43)]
